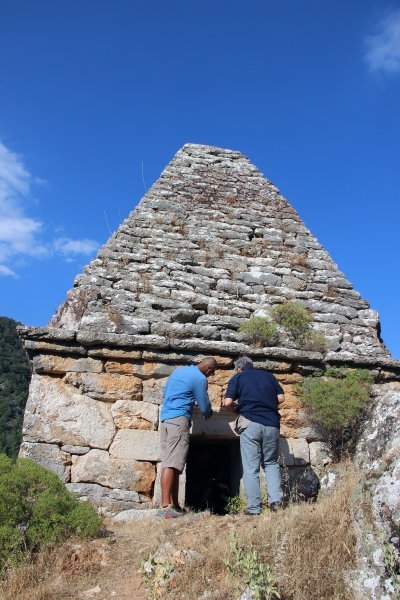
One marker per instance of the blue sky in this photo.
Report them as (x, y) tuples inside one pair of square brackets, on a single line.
[(97, 96)]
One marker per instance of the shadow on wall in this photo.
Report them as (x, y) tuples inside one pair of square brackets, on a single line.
[(299, 480)]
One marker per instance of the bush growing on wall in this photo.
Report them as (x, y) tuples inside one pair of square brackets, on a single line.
[(260, 331), (336, 400), (293, 317), (36, 509)]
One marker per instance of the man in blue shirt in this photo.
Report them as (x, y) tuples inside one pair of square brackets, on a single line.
[(185, 387), (256, 394)]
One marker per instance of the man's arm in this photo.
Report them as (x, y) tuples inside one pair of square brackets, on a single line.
[(202, 399), (281, 398)]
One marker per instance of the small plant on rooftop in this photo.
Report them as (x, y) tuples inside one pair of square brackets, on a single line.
[(260, 331), (293, 317), (314, 341)]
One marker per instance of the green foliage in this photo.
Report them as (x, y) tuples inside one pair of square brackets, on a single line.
[(155, 575), (336, 399), (247, 565), (315, 341), (235, 505), (15, 375), (36, 509), (391, 558), (293, 317), (260, 331)]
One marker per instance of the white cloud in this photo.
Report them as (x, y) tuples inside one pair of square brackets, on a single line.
[(68, 247), (383, 48), (6, 271), (20, 234)]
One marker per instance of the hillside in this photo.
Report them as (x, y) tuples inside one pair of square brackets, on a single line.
[(15, 375)]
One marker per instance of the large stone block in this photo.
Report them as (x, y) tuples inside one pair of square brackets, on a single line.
[(47, 363), (130, 444), (56, 414), (153, 390), (107, 386), (143, 371), (320, 454), (49, 456), (99, 467), (220, 425), (130, 414), (294, 451)]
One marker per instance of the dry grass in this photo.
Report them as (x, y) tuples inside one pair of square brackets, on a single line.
[(309, 548)]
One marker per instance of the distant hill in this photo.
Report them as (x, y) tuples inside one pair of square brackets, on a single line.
[(15, 375)]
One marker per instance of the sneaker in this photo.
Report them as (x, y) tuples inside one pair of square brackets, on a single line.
[(274, 506), (168, 512)]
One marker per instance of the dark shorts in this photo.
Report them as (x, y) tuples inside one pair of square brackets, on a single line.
[(174, 438)]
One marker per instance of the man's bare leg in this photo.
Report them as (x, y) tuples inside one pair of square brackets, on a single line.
[(169, 486)]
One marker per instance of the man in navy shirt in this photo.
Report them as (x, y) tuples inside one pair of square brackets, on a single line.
[(185, 387), (256, 394)]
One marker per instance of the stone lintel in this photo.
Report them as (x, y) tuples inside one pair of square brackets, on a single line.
[(46, 333), (35, 346), (221, 425)]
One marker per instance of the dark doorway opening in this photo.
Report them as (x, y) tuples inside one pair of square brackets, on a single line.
[(213, 473)]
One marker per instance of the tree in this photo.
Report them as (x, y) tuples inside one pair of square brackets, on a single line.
[(15, 374)]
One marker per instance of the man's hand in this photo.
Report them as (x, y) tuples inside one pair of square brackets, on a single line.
[(208, 414)]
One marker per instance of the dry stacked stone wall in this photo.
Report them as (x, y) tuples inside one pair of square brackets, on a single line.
[(211, 244)]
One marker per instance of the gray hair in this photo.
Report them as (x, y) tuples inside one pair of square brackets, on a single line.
[(243, 362)]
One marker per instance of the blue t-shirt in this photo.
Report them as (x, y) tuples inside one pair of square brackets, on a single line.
[(184, 387), (257, 394)]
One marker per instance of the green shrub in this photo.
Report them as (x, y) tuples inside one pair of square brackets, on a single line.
[(246, 566), (37, 509), (293, 317), (235, 505), (315, 341), (336, 400), (260, 331)]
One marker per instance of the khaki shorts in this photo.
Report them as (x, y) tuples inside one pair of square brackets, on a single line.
[(174, 438)]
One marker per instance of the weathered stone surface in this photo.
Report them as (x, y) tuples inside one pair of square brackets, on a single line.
[(153, 390), (320, 454), (99, 467), (130, 444), (106, 386), (49, 456), (56, 414), (129, 414), (221, 425), (294, 451), (75, 449), (59, 365), (109, 502), (147, 370), (378, 456)]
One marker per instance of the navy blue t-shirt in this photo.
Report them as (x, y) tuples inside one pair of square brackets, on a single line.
[(257, 394)]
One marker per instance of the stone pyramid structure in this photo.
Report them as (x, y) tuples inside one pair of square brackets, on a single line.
[(210, 245)]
